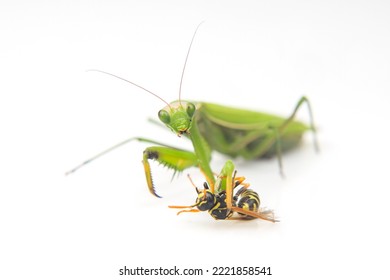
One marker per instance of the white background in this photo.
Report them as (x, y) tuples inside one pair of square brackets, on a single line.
[(262, 55)]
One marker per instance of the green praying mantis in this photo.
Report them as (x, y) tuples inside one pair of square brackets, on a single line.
[(230, 131)]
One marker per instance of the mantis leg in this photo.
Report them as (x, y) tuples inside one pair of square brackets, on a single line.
[(203, 153), (273, 135), (270, 138), (225, 182), (116, 146), (172, 158), (301, 101), (257, 135), (232, 184)]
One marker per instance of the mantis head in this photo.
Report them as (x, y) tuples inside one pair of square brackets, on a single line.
[(178, 116)]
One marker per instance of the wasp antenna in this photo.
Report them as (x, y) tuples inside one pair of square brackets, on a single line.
[(130, 82), (192, 183), (185, 62)]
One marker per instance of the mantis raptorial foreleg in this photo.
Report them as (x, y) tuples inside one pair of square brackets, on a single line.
[(175, 159), (169, 156)]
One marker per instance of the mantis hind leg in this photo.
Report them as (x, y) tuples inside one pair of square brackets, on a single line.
[(278, 131), (275, 139), (301, 101)]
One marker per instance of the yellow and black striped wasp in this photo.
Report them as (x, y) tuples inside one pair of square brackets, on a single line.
[(222, 204)]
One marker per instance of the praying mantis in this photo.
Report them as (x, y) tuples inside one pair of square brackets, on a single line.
[(230, 131)]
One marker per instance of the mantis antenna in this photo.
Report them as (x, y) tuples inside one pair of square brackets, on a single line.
[(123, 79), (185, 62), (141, 87)]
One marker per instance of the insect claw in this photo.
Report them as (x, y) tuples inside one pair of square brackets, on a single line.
[(153, 191), (159, 196)]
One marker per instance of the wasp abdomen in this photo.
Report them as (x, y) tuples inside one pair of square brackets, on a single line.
[(249, 201)]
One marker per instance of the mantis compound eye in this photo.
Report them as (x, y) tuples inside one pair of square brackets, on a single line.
[(190, 109), (164, 116)]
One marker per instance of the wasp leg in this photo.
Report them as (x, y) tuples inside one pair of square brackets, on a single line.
[(189, 208), (180, 207), (188, 211), (239, 181)]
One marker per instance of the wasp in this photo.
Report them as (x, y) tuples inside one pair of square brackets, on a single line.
[(220, 202)]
